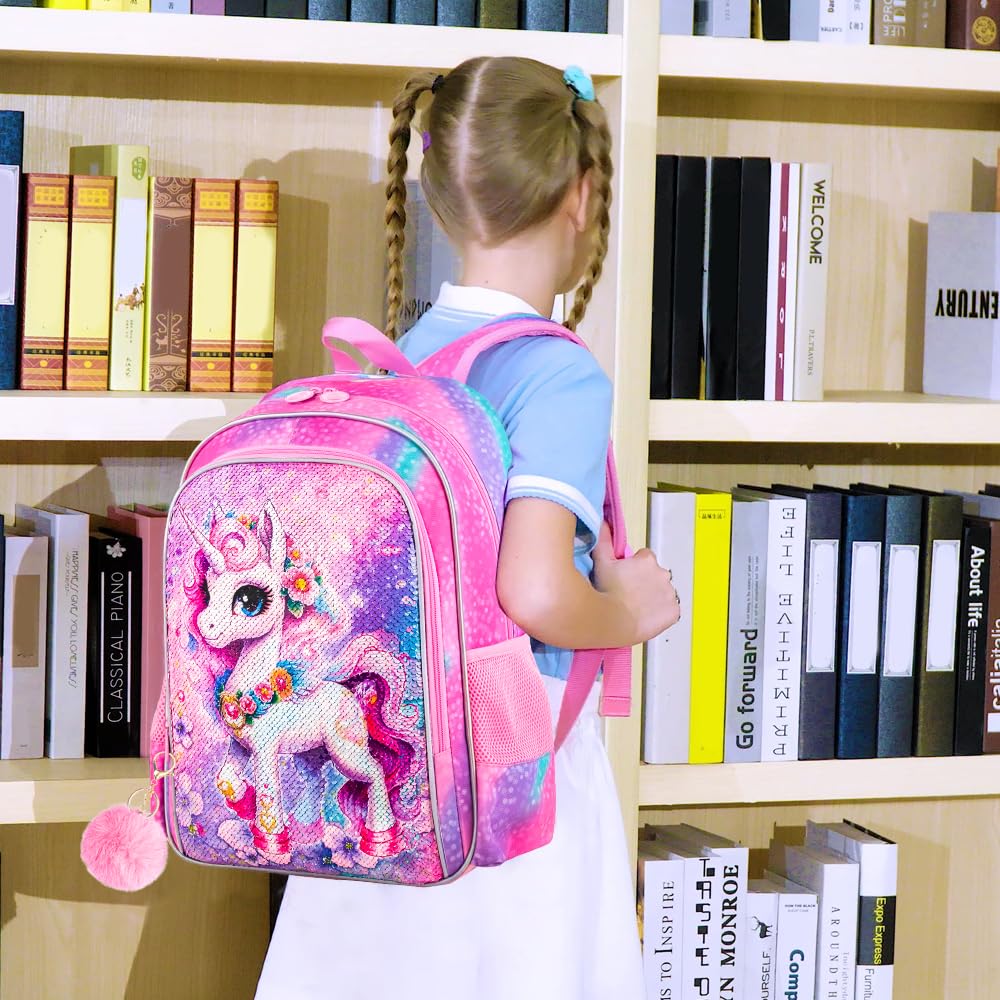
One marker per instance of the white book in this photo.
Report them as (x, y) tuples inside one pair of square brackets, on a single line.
[(833, 21), (66, 667), (747, 587), (878, 861), (782, 657), (795, 947), (813, 270), (803, 20), (858, 22), (773, 239), (676, 17), (661, 882), (667, 705), (22, 714), (722, 18), (791, 280), (835, 881), (762, 928)]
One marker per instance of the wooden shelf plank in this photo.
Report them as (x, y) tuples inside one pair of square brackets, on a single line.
[(819, 781), (66, 791), (325, 46), (119, 416), (841, 418), (886, 70)]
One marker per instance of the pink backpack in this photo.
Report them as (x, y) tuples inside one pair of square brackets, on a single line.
[(344, 695)]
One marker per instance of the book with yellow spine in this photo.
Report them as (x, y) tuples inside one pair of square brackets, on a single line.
[(135, 6), (256, 250), (66, 4), (104, 4), (212, 285), (46, 243), (88, 317), (129, 166), (709, 610)]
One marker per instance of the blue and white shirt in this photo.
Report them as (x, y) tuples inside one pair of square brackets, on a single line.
[(554, 401)]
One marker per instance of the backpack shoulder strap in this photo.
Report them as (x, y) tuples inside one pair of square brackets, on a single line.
[(456, 361)]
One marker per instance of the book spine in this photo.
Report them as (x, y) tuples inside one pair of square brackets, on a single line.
[(540, 15), (931, 23), (412, 11), (326, 10), (663, 276), (710, 613), (751, 341), (723, 243), (136, 6), (783, 629), (972, 637), (747, 587), (214, 216), (689, 243), (661, 884), (456, 13), (991, 698), (972, 24), (91, 255), (11, 159), (667, 677), (813, 268), (700, 929), (215, 7), (256, 254), (858, 28), (795, 949), (105, 5), (171, 6), (676, 17), (729, 19), (804, 20), (168, 284), (762, 926), (377, 11), (773, 267), (292, 9), (791, 280), (244, 8), (46, 245), (893, 22), (734, 865), (589, 16), (775, 20), (876, 922), (781, 319), (65, 4), (833, 21)]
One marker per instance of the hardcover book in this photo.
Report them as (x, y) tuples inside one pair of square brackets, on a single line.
[(46, 245), (256, 254), (11, 158), (722, 18), (788, 269), (91, 256), (972, 24), (168, 284), (991, 694), (327, 10), (213, 257), (774, 273), (660, 883), (676, 17), (412, 11), (297, 9), (797, 921), (663, 276), (755, 201), (492, 13), (833, 21), (770, 20), (456, 13), (931, 23), (762, 933), (588, 16), (244, 8), (722, 278), (216, 7), (170, 6), (540, 15), (858, 26), (803, 22), (114, 637), (689, 247), (893, 22)]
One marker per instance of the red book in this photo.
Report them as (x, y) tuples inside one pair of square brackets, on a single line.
[(972, 24)]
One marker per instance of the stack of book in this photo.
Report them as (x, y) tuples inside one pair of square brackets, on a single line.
[(122, 280), (533, 15), (825, 622), (957, 24), (740, 263), (819, 923)]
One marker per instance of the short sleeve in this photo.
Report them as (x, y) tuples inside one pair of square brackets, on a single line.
[(554, 401)]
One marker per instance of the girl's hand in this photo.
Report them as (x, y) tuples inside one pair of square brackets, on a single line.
[(640, 585)]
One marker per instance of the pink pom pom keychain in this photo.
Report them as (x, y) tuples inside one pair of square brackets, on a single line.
[(125, 847)]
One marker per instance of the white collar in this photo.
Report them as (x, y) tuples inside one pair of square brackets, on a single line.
[(484, 301)]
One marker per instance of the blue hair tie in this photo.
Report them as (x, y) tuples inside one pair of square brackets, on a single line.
[(579, 82)]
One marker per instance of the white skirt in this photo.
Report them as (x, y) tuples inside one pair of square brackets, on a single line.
[(555, 924)]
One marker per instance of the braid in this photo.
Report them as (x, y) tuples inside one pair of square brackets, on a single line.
[(595, 154), (395, 190)]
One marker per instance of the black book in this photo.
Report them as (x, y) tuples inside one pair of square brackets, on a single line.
[(689, 276), (775, 20), (543, 15), (820, 621), (755, 221), (663, 276), (296, 9), (114, 637), (244, 8), (723, 277)]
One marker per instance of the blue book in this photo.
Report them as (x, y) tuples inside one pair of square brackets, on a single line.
[(170, 6), (589, 16), (372, 11), (412, 11), (543, 15), (327, 10), (456, 13), (11, 162)]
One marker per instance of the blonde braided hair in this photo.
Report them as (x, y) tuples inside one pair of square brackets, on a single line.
[(508, 138)]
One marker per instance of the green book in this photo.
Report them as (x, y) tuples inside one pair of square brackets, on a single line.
[(497, 13)]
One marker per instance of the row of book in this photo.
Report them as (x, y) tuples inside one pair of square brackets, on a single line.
[(121, 280), (819, 924), (740, 266), (534, 15), (81, 602), (825, 622), (953, 24)]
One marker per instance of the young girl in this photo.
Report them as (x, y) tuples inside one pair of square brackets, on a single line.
[(517, 170)]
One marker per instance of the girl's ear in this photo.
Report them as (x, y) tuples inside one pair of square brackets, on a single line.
[(581, 215)]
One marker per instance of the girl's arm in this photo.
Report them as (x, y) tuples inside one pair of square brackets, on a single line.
[(544, 593)]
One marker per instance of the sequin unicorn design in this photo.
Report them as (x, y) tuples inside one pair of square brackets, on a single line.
[(244, 590)]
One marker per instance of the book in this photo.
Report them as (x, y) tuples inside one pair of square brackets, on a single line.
[(820, 621), (813, 270), (168, 285), (858, 22), (835, 880), (676, 17), (797, 923), (588, 16), (803, 21), (722, 18), (667, 676), (788, 269), (892, 22), (296, 9), (689, 243), (722, 278), (45, 252), (65, 4), (492, 13), (413, 12), (128, 165), (833, 21), (877, 860), (105, 5), (991, 693), (755, 200), (542, 15), (170, 6), (931, 22), (663, 277), (256, 255), (745, 648), (114, 637), (25, 615), (149, 525), (660, 883), (215, 7), (244, 8), (456, 13), (11, 159), (326, 10), (91, 262), (770, 20), (972, 24), (762, 927), (774, 218), (66, 603), (212, 259)]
